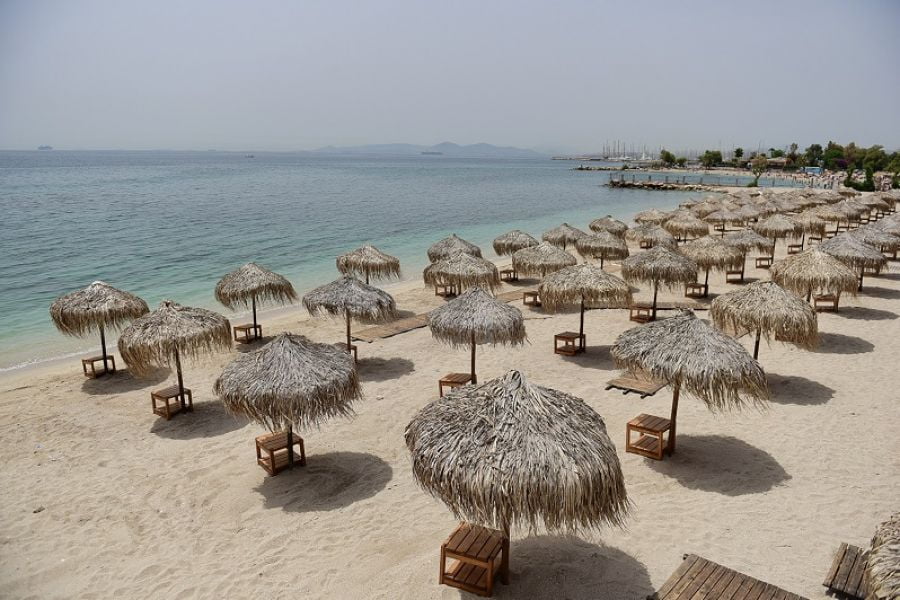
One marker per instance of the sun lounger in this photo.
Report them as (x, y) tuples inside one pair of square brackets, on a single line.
[(846, 575), (698, 578), (635, 383)]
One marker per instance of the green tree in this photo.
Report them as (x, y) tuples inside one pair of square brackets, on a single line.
[(758, 166), (738, 152), (813, 155), (711, 158), (667, 157), (833, 157), (875, 158), (681, 161), (776, 153)]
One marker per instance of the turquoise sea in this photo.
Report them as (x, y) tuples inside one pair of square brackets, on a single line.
[(170, 224)]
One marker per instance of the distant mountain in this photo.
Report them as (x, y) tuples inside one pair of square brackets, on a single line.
[(444, 148)]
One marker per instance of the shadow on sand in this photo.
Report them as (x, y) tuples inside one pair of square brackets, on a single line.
[(793, 389), (838, 343), (209, 419), (383, 369), (568, 567), (722, 464), (123, 381), (880, 292), (866, 314), (594, 357), (245, 347), (328, 481)]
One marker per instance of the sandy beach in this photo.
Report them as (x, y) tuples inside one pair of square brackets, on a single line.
[(102, 499)]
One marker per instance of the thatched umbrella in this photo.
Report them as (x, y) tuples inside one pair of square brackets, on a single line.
[(369, 261), (713, 253), (349, 297), (541, 260), (854, 253), (810, 223), (725, 217), (883, 567), (169, 333), (771, 311), (774, 227), (684, 224), (654, 216), (462, 271), (706, 207), (563, 235), (746, 240), (510, 453), (659, 265), (829, 213), (582, 284), (247, 285), (607, 223), (452, 245), (877, 237), (603, 245), (650, 235), (512, 241), (290, 382), (97, 307), (888, 226), (474, 318), (692, 355), (814, 271), (748, 212)]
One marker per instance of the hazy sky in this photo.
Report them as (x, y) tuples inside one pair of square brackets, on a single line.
[(561, 75)]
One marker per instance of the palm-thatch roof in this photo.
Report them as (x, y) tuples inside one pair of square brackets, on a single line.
[(776, 226), (770, 310), (587, 284), (693, 356), (476, 316), (685, 223), (290, 381), (369, 262), (604, 245), (827, 212), (746, 240), (875, 203), (883, 567), (853, 252), (654, 215), (659, 265), (876, 237), (810, 222), (510, 453), (452, 245), (96, 307), (254, 284), (562, 235), (725, 216), (607, 223), (888, 226), (814, 271), (652, 234), (713, 253), (706, 207), (748, 212), (348, 295), (463, 271), (541, 260), (172, 329), (512, 241)]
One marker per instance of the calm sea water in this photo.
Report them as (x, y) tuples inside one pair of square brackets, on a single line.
[(170, 224)]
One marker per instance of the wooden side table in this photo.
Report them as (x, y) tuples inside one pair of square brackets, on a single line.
[(640, 313), (696, 290), (763, 262), (273, 453), (91, 362), (166, 396), (453, 380), (509, 275), (573, 343), (248, 333), (825, 302), (650, 443), (734, 276), (794, 248), (478, 555), (445, 290), (531, 298)]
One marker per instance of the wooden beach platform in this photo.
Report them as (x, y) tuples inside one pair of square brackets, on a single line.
[(391, 329)]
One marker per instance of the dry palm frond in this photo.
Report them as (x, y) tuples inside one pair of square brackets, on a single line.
[(810, 222), (512, 241), (541, 260), (452, 245), (659, 265), (726, 217), (588, 284), (348, 295), (706, 207), (748, 212), (712, 252), (477, 317), (776, 226), (883, 567), (155, 338), (508, 453), (607, 223), (369, 262), (563, 235), (652, 234), (463, 271), (605, 245), (768, 308), (684, 224), (746, 240), (253, 283), (654, 216), (888, 226), (693, 356), (814, 271), (290, 381), (98, 306), (877, 237), (853, 252)]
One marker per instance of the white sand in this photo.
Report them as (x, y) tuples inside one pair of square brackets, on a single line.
[(132, 506)]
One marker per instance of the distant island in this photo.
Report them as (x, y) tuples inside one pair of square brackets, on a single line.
[(45, 147), (442, 149)]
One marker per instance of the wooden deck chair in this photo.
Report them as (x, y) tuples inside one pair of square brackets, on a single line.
[(698, 578)]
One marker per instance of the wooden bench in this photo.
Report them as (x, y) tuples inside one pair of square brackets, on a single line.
[(698, 578), (650, 443), (573, 343), (763, 262), (826, 302), (846, 575), (531, 298), (249, 333), (794, 248), (696, 290), (640, 313), (646, 244), (274, 455), (168, 409), (445, 290), (343, 346), (91, 361), (508, 275), (477, 556), (871, 271), (635, 383), (734, 276), (453, 380)]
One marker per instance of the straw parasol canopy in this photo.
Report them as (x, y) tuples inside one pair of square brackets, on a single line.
[(171, 332), (684, 224), (510, 453), (563, 235), (810, 223), (97, 307), (651, 234), (582, 284), (474, 318), (692, 355), (748, 212), (513, 241), (350, 298), (774, 227), (713, 253), (246, 285), (814, 271), (888, 226), (659, 265), (654, 215), (746, 240), (854, 253), (370, 262), (706, 207), (462, 271), (771, 311), (541, 260), (725, 217), (883, 567), (607, 223), (604, 245), (877, 237), (452, 245)]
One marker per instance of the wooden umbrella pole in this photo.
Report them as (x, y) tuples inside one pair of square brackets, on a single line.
[(756, 344), (743, 264), (290, 446), (472, 369), (673, 417), (504, 560), (348, 330), (253, 300), (581, 323), (862, 270), (655, 289), (601, 261), (180, 378), (802, 240), (774, 243), (706, 280), (367, 277), (103, 348)]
